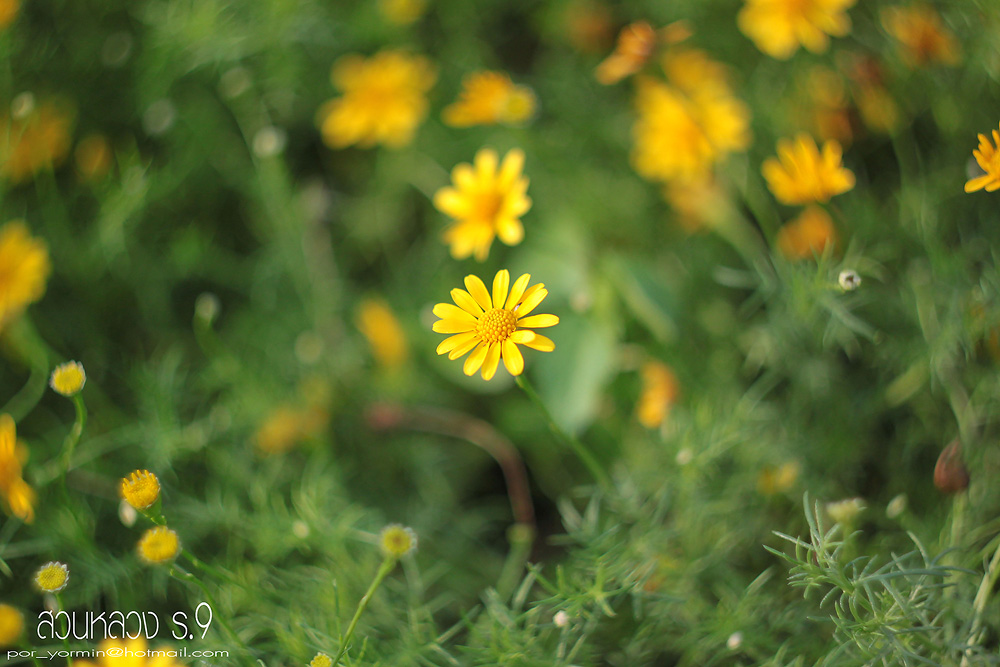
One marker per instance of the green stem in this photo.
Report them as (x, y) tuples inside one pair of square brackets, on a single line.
[(74, 437), (578, 447), (982, 596), (383, 572), (60, 607), (26, 342), (182, 575), (521, 536)]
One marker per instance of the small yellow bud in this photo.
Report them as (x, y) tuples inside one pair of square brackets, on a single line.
[(68, 379), (52, 577), (159, 545), (140, 489), (321, 660)]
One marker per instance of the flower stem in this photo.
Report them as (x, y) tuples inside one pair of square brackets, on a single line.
[(578, 447), (182, 575), (979, 604), (383, 572), (74, 437)]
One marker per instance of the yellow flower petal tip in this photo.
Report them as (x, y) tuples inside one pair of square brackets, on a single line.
[(52, 577), (486, 200), (140, 489), (159, 545), (68, 379), (780, 27), (492, 325)]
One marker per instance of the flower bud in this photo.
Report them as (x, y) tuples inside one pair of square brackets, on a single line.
[(950, 473)]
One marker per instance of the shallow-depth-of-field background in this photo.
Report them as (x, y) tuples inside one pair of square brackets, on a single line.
[(768, 432)]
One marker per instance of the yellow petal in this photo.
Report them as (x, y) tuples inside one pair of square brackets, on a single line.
[(517, 291), (475, 359), (453, 326), (512, 358), (478, 291), (978, 183), (464, 347), (513, 163), (510, 230), (540, 343), (466, 302), (531, 302), (522, 336), (449, 344), (446, 311), (486, 165), (491, 362), (538, 321), (500, 285)]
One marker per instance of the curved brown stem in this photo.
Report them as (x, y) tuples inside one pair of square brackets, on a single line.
[(385, 416)]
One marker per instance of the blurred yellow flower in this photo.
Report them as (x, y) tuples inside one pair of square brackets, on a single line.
[(633, 50), (774, 480), (93, 158), (11, 625), (68, 378), (130, 653), (38, 140), (698, 202), (288, 425), (8, 12), (588, 26), (801, 175), (692, 71), (486, 201), (845, 511), (140, 489), (24, 268), (988, 158), (402, 12), (780, 27), (488, 98), (321, 660), (922, 37), (52, 577), (381, 328), (159, 545), (493, 324), (384, 100), (18, 497), (807, 235), (678, 136), (397, 541), (659, 393)]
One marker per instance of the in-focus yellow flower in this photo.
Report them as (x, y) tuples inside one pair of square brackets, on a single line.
[(659, 392), (35, 141), (488, 98), (678, 136), (988, 158), (130, 653), (774, 480), (24, 268), (486, 201), (321, 660), (140, 489), (492, 326), (159, 545), (921, 36), (384, 99), (807, 235), (385, 337), (780, 27), (8, 12), (402, 12), (397, 541), (18, 497), (93, 158), (11, 625), (801, 175), (68, 379), (52, 577)]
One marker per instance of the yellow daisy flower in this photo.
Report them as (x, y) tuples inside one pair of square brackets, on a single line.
[(989, 159), (921, 35), (68, 379), (807, 235), (383, 103), (140, 489), (321, 660), (659, 392), (385, 336), (780, 27), (24, 268), (492, 326), (635, 45), (52, 577), (38, 140), (18, 497), (11, 625), (130, 653), (486, 201), (159, 545), (801, 175), (488, 98), (397, 541)]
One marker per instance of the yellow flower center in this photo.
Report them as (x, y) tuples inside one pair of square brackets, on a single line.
[(52, 577), (487, 205), (140, 489), (496, 325), (158, 545)]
